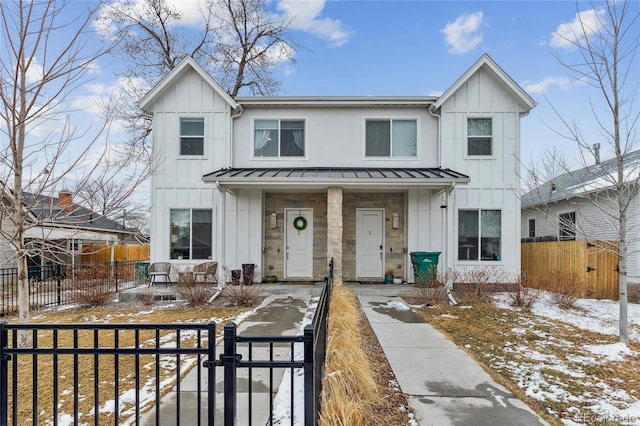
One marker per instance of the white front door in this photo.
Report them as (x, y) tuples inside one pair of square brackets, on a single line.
[(299, 243), (369, 243)]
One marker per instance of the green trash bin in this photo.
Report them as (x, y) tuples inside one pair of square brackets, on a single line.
[(142, 271), (425, 266)]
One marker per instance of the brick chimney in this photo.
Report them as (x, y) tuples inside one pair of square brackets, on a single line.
[(65, 200)]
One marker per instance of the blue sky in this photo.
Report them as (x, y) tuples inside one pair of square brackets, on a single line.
[(405, 48), (422, 47)]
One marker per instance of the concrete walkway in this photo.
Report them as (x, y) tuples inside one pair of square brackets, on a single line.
[(445, 385), (279, 314)]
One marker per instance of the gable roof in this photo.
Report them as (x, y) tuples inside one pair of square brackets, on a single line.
[(186, 65), (488, 63), (582, 182), (47, 212)]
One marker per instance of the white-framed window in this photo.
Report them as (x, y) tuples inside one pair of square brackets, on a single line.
[(567, 226), (278, 138), (191, 232), (479, 235), (191, 136), (479, 136), (391, 138)]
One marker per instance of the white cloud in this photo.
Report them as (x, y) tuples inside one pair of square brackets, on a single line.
[(563, 83), (463, 35), (305, 16), (585, 23)]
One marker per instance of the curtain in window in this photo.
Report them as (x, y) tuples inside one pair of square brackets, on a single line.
[(261, 139), (265, 138), (298, 139), (292, 138), (404, 138)]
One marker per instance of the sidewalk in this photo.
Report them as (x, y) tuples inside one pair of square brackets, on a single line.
[(279, 314), (445, 385)]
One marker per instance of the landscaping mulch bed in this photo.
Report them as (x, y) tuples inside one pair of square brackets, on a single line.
[(394, 408)]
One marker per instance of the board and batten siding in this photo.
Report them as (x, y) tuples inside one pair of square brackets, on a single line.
[(243, 228), (495, 182), (177, 181)]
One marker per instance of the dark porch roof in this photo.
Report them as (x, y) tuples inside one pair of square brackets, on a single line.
[(343, 176)]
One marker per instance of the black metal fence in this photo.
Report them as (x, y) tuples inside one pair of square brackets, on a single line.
[(59, 284), (112, 373)]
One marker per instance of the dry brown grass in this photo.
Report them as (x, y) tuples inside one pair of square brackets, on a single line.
[(358, 387), (102, 373), (348, 386)]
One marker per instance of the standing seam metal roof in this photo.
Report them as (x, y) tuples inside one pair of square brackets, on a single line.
[(337, 173)]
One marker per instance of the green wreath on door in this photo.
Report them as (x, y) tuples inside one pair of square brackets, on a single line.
[(300, 223)]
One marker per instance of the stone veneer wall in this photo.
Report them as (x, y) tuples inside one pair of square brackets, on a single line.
[(335, 230), (274, 249), (395, 241)]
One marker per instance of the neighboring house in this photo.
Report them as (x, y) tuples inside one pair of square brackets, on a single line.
[(289, 183), (59, 229), (579, 205)]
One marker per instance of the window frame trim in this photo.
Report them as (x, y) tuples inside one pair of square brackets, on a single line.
[(466, 139), (479, 261), (204, 136), (191, 209), (252, 142), (390, 119)]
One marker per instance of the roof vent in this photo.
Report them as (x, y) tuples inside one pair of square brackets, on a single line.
[(596, 152)]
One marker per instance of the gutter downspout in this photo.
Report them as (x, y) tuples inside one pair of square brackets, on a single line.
[(221, 232), (437, 117), (446, 215), (233, 118)]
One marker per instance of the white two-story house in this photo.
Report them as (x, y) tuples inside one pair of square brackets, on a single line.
[(288, 183)]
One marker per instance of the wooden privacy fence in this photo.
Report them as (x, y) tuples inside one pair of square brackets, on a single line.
[(102, 253), (595, 262)]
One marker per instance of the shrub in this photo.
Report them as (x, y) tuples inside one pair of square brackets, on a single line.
[(92, 271), (243, 295), (193, 292), (523, 296), (564, 288), (91, 295), (478, 284), (146, 298)]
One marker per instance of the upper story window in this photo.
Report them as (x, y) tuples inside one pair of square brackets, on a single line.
[(278, 138), (567, 226), (479, 235), (192, 136), (391, 138), (479, 136)]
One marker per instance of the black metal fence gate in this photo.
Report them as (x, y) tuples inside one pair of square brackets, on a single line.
[(109, 373)]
